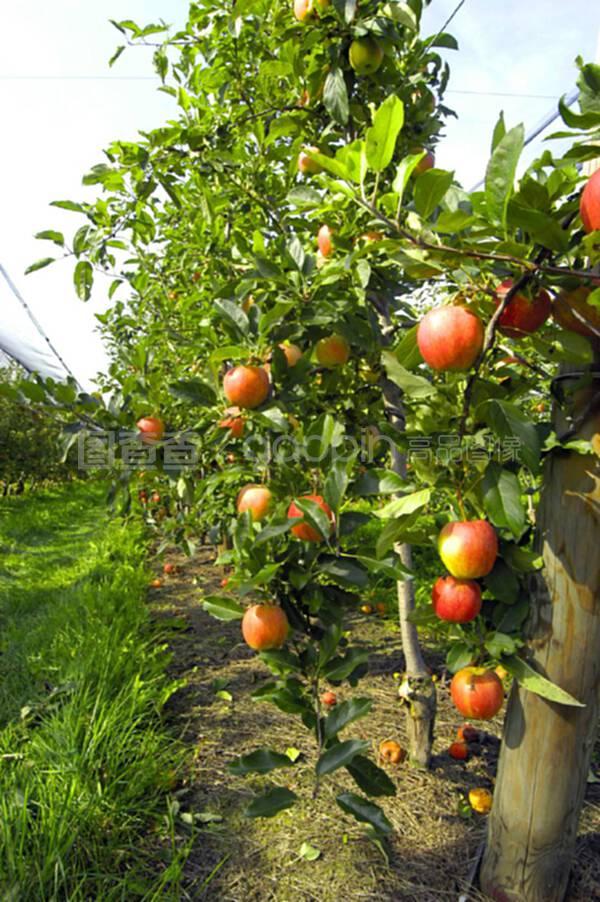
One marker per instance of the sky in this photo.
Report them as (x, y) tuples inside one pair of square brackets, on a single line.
[(61, 105)]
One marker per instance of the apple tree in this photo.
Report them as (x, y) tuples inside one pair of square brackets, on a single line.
[(412, 356)]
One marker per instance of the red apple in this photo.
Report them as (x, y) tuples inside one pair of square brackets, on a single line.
[(306, 164), (459, 751), (303, 530), (468, 548), (151, 429), (233, 421), (450, 338), (329, 698), (246, 386), (265, 626), (456, 600), (522, 315), (477, 693), (427, 162), (169, 568), (256, 499), (589, 204), (333, 351), (325, 241), (292, 353)]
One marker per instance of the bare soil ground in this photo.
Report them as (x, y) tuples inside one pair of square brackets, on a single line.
[(433, 849)]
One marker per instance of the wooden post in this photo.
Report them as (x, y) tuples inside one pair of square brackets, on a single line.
[(547, 747)]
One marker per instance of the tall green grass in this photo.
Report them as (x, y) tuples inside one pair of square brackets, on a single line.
[(85, 762)]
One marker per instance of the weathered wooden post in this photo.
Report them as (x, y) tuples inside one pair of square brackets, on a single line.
[(547, 747)]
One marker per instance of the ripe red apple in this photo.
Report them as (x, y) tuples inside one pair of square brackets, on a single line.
[(151, 429), (468, 548), (333, 351), (303, 530), (365, 55), (329, 698), (589, 204), (233, 421), (246, 386), (256, 499), (325, 240), (459, 750), (450, 338), (572, 311), (292, 353), (265, 626), (477, 692), (427, 162), (522, 315), (456, 600), (306, 165), (169, 568)]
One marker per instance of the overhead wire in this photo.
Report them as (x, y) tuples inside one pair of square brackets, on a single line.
[(38, 326)]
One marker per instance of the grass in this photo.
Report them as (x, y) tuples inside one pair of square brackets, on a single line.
[(85, 761)]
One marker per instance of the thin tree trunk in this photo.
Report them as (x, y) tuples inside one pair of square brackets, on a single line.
[(547, 747), (417, 689)]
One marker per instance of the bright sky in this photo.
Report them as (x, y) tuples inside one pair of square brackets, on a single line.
[(61, 105)]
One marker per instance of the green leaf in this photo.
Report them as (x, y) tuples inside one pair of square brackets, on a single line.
[(51, 235), (83, 277), (430, 188), (341, 668), (304, 196), (407, 504), (370, 778), (287, 698), (500, 174), (194, 391), (500, 644), (499, 131), (233, 314), (345, 713), (365, 811), (533, 681), (459, 655), (272, 532), (336, 484), (509, 423), (405, 169), (335, 96), (414, 386), (116, 55), (271, 803), (577, 120), (296, 252), (339, 755), (223, 608), (378, 482), (259, 762), (503, 583), (345, 571), (382, 136), (308, 852), (502, 498), (39, 264)]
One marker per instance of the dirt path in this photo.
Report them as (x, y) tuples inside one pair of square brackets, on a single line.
[(432, 849)]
